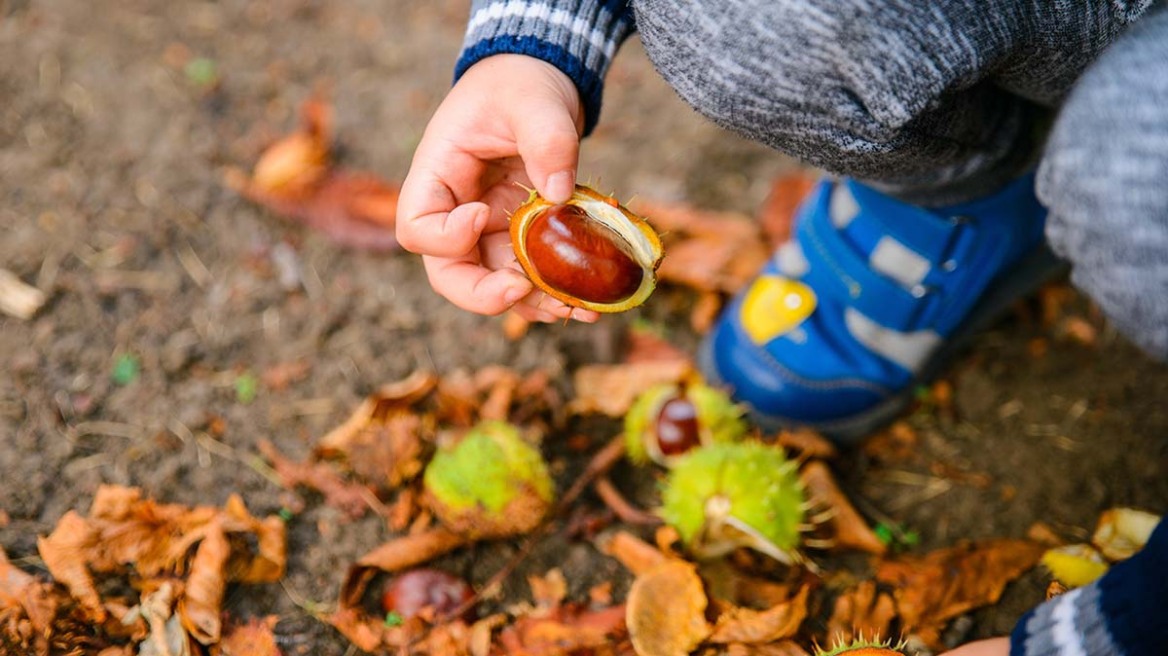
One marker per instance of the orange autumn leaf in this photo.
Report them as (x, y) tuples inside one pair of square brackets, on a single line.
[(706, 250), (777, 214), (940, 585), (638, 556), (549, 590), (665, 610), (202, 598), (381, 441), (255, 638), (296, 178), (566, 630), (124, 532), (745, 625), (611, 389), (845, 527), (861, 611)]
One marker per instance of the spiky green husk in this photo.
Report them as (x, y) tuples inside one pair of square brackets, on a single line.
[(861, 647), (758, 484), (719, 418), (481, 483)]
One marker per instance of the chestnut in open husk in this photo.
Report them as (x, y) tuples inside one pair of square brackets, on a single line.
[(669, 419), (589, 252)]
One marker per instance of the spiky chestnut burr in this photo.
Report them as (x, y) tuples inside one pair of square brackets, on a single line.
[(723, 496), (669, 419), (861, 647), (489, 484)]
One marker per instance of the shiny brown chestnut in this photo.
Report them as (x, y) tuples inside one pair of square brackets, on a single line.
[(589, 252), (678, 430)]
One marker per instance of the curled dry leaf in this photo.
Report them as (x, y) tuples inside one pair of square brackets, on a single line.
[(565, 630), (382, 439), (296, 178), (1121, 532), (645, 344), (845, 527), (349, 497), (255, 638), (862, 611), (638, 556), (124, 531), (705, 250), (940, 585), (202, 598), (806, 444), (666, 609), (745, 625), (612, 389), (783, 648)]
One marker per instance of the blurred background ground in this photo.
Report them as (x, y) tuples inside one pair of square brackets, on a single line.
[(111, 201)]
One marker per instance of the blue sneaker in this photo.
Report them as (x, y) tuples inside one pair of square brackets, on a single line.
[(868, 299)]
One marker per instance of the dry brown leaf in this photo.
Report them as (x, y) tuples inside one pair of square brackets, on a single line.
[(381, 440), (549, 590), (730, 586), (745, 625), (65, 554), (351, 498), (567, 630), (897, 443), (24, 598), (202, 598), (705, 311), (861, 611), (256, 638), (708, 251), (845, 527), (638, 556), (777, 213), (646, 344), (940, 585), (296, 178), (666, 610), (611, 389), (279, 376), (124, 531), (784, 648), (806, 444)]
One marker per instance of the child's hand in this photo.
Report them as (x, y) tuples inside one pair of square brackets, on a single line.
[(510, 120)]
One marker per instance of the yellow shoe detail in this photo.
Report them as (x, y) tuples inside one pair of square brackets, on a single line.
[(774, 305)]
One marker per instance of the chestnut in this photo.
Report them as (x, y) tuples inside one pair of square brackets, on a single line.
[(414, 591), (590, 252), (677, 426), (581, 257)]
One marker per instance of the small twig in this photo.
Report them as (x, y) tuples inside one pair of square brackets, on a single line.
[(622, 507)]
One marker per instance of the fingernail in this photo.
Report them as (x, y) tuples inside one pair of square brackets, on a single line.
[(480, 221), (560, 186), (514, 294)]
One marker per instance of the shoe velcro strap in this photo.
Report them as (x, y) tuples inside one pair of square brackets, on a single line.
[(925, 233), (837, 271)]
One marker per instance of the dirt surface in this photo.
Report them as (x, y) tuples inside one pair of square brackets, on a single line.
[(111, 158)]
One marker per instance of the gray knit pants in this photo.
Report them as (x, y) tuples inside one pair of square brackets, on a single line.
[(942, 101)]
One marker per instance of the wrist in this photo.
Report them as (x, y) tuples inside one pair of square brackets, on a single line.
[(577, 37)]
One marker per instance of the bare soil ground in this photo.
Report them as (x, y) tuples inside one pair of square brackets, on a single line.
[(111, 201)]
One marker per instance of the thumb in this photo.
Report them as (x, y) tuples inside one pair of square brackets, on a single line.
[(550, 148)]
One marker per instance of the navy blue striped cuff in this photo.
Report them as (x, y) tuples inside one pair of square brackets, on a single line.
[(579, 37), (1125, 613)]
